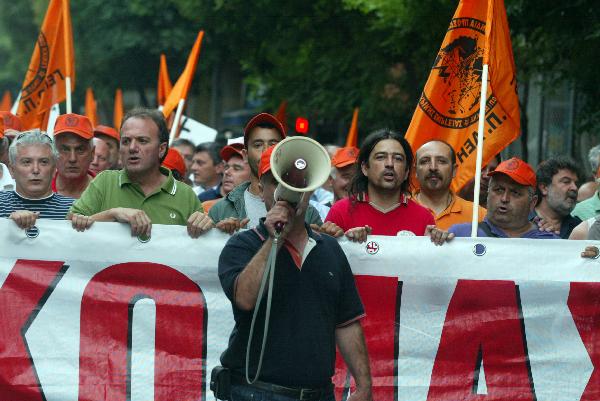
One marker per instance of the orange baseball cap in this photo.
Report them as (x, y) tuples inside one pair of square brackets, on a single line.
[(108, 131), (517, 170), (345, 156), (9, 121), (235, 149), (265, 161), (264, 118), (174, 161), (74, 124)]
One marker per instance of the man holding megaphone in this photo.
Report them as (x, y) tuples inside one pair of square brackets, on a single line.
[(315, 304)]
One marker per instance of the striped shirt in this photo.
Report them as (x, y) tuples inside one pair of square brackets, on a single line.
[(53, 207)]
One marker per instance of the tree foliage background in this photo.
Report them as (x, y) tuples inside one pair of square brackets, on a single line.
[(324, 57)]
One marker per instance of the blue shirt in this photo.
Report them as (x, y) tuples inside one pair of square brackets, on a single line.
[(53, 207), (464, 230)]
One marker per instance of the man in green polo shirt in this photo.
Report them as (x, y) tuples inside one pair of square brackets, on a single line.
[(143, 193)]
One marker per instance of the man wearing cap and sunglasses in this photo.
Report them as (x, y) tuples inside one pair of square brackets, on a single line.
[(244, 205), (73, 135), (142, 193), (32, 164), (511, 198)]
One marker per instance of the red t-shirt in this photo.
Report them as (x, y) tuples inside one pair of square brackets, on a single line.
[(408, 216), (90, 173)]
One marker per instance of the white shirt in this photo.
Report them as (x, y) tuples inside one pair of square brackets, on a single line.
[(7, 183)]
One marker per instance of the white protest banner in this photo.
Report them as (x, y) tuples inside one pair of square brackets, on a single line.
[(102, 316)]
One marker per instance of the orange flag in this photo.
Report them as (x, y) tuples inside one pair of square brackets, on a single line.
[(352, 138), (6, 102), (164, 82), (118, 110), (182, 86), (449, 105), (91, 110), (281, 114), (52, 61)]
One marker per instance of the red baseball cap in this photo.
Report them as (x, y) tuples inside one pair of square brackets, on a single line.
[(345, 156), (517, 170), (9, 121), (74, 124), (265, 161), (264, 118), (174, 161), (108, 131), (232, 150)]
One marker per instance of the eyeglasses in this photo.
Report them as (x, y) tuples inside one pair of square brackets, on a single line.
[(35, 132)]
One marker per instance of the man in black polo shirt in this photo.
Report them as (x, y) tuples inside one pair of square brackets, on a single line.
[(315, 307)]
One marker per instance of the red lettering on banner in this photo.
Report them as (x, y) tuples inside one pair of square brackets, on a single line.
[(483, 323), (584, 304), (381, 296), (180, 338), (22, 296)]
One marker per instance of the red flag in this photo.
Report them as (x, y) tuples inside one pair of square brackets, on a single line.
[(91, 110), (164, 82), (449, 105), (118, 110), (352, 137), (281, 114), (52, 61), (6, 102), (181, 88)]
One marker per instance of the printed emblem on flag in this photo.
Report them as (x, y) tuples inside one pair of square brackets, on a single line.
[(43, 51), (459, 65)]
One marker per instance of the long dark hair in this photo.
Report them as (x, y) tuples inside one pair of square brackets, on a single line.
[(360, 181)]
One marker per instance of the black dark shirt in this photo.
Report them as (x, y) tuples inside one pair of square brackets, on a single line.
[(308, 304), (566, 225)]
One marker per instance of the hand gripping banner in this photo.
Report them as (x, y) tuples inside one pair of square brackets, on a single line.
[(102, 316)]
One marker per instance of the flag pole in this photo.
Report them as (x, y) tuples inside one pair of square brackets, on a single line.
[(480, 127), (176, 121), (66, 20), (15, 105)]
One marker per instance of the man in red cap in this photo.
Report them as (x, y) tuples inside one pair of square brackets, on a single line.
[(235, 172), (73, 136), (174, 162), (106, 141), (299, 358), (343, 168), (244, 205), (511, 198)]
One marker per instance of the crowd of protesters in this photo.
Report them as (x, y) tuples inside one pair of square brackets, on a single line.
[(131, 175)]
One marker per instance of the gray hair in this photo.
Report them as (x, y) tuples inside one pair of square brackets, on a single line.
[(594, 158), (31, 137)]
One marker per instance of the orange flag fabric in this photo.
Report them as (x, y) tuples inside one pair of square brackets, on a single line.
[(164, 82), (118, 110), (91, 110), (352, 137), (6, 102), (449, 105), (182, 86), (281, 114), (52, 61)]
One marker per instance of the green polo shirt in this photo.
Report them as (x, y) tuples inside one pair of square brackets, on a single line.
[(588, 208), (172, 203)]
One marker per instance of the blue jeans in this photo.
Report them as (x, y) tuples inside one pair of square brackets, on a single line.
[(247, 393)]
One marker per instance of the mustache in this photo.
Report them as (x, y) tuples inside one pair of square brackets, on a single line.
[(433, 175)]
